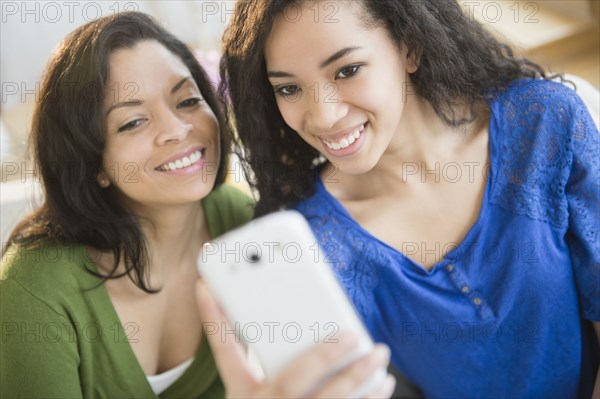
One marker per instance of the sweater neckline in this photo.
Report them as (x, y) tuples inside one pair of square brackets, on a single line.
[(463, 246), (202, 360)]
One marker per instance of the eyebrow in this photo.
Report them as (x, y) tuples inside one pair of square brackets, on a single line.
[(339, 54), (180, 83), (131, 103)]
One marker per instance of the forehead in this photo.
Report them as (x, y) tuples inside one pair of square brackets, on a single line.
[(146, 67), (313, 29)]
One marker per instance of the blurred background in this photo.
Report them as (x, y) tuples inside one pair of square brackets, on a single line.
[(562, 36)]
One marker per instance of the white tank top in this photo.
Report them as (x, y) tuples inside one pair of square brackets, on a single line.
[(162, 381)]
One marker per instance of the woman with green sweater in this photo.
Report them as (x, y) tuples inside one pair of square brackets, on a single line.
[(98, 286)]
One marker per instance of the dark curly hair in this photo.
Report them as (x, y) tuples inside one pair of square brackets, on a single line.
[(459, 63), (68, 140)]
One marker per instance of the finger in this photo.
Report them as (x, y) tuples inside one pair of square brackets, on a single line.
[(386, 389), (229, 355), (308, 370), (350, 380)]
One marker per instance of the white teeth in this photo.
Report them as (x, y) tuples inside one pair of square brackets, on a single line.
[(182, 163), (345, 141)]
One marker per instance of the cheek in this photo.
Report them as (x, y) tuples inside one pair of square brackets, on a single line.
[(205, 124), (110, 157), (290, 111), (210, 124), (383, 94), (214, 128), (122, 161)]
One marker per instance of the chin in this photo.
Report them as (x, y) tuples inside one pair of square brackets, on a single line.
[(192, 195), (355, 171), (200, 194), (353, 167)]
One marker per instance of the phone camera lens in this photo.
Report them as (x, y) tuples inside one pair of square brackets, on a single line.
[(254, 258)]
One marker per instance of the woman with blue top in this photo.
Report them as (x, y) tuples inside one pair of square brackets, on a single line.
[(453, 186), (99, 285)]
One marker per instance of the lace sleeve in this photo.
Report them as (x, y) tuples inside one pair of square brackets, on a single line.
[(583, 195), (548, 170)]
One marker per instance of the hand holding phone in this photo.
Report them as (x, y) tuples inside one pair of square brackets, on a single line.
[(300, 377), (281, 299)]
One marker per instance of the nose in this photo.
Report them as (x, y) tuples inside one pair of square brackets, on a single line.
[(324, 109), (172, 128)]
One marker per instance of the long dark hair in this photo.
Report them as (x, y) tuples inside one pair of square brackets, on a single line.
[(459, 63), (68, 140)]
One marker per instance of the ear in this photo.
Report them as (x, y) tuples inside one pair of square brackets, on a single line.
[(413, 58), (103, 181)]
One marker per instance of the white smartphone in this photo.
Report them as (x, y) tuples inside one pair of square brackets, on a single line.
[(279, 293)]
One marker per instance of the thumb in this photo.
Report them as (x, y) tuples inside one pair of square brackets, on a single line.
[(229, 354)]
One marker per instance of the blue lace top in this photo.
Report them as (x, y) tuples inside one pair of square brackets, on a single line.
[(506, 313)]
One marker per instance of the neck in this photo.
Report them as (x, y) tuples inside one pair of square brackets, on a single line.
[(174, 236), (424, 138), (423, 142)]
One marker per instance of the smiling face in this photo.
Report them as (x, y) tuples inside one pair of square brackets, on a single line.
[(339, 84), (162, 139)]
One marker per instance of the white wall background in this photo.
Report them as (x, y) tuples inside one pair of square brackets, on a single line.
[(30, 30)]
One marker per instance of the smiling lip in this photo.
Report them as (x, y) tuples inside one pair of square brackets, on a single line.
[(182, 160), (346, 143)]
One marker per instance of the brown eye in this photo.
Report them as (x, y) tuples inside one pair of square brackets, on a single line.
[(131, 125), (190, 102), (347, 71), (289, 90)]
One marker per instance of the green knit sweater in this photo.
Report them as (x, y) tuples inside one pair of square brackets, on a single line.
[(61, 337)]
